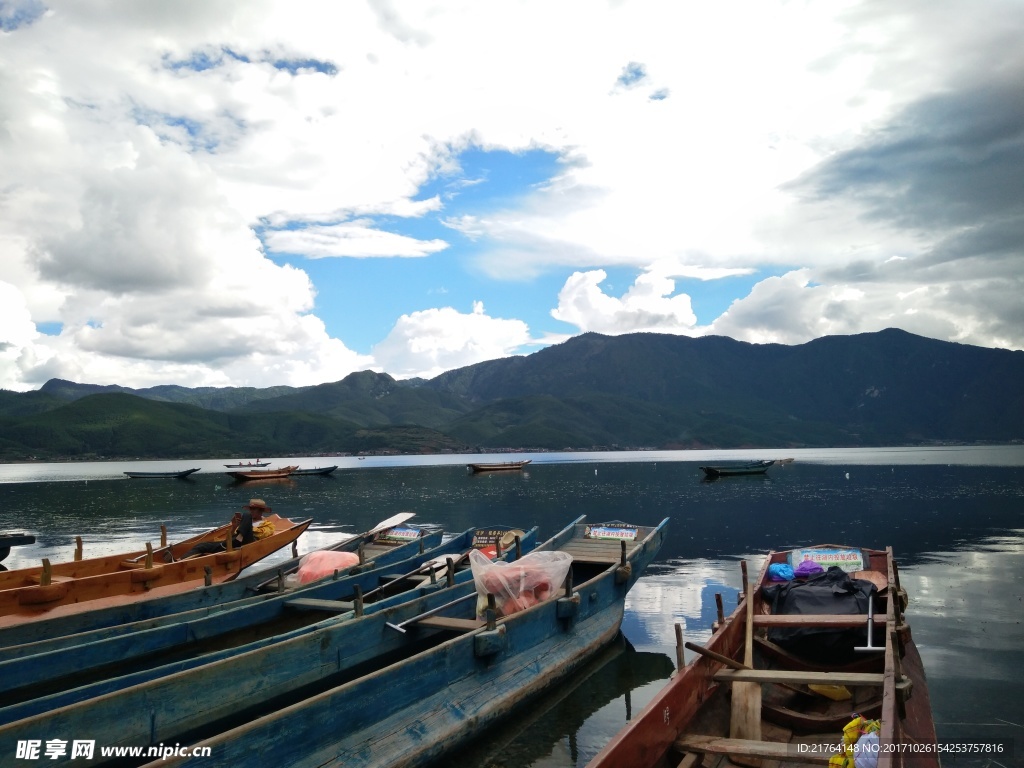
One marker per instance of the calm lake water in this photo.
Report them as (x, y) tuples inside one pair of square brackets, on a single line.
[(954, 517)]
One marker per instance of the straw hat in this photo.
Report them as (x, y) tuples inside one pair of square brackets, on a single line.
[(258, 504)]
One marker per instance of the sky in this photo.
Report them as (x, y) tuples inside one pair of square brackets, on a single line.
[(258, 192)]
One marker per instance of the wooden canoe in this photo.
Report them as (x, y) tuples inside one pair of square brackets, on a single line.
[(504, 466), (263, 474), (375, 547), (84, 671), (315, 470), (248, 464), (466, 675), (728, 470), (83, 585), (295, 659), (168, 475), (690, 717)]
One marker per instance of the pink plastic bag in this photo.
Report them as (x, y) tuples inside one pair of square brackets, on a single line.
[(323, 563), (532, 579)]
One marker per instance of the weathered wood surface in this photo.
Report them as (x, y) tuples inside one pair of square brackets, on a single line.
[(415, 710)]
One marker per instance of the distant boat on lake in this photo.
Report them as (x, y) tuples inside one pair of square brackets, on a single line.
[(499, 467), (242, 464), (264, 474), (750, 468), (316, 471), (172, 474)]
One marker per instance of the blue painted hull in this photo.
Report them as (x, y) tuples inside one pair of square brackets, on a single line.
[(241, 623), (414, 710)]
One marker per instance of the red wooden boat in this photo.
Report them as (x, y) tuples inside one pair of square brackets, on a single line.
[(263, 474), (784, 686), (83, 584)]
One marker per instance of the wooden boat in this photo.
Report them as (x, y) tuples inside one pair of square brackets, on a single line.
[(766, 684), (315, 471), (248, 464), (728, 470), (258, 675), (8, 540), (459, 674), (179, 473), (504, 466), (381, 545), (69, 675), (263, 474), (85, 584)]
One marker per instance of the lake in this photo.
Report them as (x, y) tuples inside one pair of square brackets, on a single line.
[(954, 517)]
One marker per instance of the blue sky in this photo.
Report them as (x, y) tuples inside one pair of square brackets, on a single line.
[(262, 193)]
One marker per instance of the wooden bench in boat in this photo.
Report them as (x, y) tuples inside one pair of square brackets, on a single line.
[(790, 677), (769, 750), (842, 621), (312, 604)]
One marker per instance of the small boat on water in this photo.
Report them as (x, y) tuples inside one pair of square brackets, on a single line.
[(248, 464), (458, 674), (804, 668), (263, 474), (315, 471), (503, 466), (728, 470), (8, 540), (184, 642), (179, 473), (262, 674), (387, 542), (81, 585)]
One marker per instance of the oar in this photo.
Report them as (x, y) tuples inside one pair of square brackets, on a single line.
[(745, 722)]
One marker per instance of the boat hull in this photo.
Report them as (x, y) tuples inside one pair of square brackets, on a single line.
[(414, 710)]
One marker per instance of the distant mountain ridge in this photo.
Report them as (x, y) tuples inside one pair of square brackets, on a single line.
[(593, 391)]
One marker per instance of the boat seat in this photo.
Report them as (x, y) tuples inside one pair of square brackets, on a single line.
[(444, 622), (769, 750), (839, 621), (36, 578), (312, 604), (791, 677)]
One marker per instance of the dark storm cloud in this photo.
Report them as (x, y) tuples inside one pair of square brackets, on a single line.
[(950, 166)]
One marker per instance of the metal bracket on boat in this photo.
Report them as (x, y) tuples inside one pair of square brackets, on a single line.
[(871, 630), (568, 607)]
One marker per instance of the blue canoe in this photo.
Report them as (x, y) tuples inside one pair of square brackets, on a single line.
[(175, 636), (466, 675), (169, 700)]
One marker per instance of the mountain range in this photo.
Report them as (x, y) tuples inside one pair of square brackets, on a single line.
[(594, 392)]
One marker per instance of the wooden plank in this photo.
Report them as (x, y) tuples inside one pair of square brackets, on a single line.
[(745, 718), (812, 620), (750, 748), (312, 604), (444, 622), (789, 677)]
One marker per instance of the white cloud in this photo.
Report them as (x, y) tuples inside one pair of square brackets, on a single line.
[(648, 305), (432, 341), (355, 238)]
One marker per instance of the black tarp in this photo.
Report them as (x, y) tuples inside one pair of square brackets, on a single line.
[(831, 592)]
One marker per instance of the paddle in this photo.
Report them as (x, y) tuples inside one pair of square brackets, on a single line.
[(745, 722)]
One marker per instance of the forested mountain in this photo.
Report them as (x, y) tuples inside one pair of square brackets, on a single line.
[(593, 391)]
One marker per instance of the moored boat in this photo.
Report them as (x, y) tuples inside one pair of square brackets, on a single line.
[(172, 474), (70, 675), (8, 540), (315, 470), (387, 542), (780, 678), (263, 474), (248, 464), (86, 584), (503, 466), (728, 470), (462, 674)]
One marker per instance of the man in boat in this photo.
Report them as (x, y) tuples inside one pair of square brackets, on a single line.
[(242, 521)]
